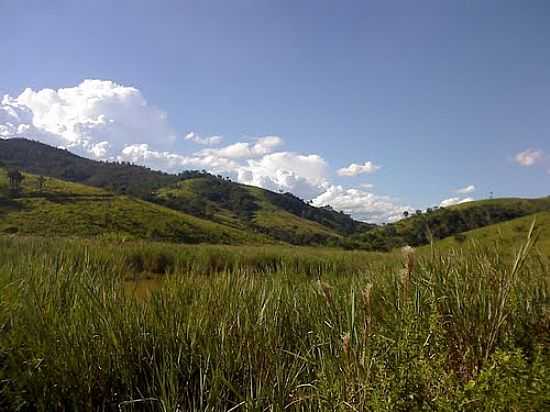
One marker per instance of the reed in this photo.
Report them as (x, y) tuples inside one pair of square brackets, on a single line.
[(255, 329)]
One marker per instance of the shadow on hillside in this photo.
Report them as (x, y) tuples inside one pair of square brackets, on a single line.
[(63, 198), (10, 205)]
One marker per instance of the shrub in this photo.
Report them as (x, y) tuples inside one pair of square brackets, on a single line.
[(160, 263), (150, 261), (460, 237), (135, 262)]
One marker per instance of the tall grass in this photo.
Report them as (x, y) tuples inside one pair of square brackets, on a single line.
[(271, 329)]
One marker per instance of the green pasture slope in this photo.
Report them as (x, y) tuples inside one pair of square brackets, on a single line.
[(440, 223), (193, 192), (71, 209), (252, 208), (507, 235)]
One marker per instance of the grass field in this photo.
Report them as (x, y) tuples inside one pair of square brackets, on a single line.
[(271, 327)]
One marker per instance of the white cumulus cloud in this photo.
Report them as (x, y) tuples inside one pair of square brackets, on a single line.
[(529, 157), (96, 117), (143, 154), (466, 189), (363, 205), (16, 120), (240, 150), (105, 120), (455, 201), (206, 141), (304, 175), (355, 169)]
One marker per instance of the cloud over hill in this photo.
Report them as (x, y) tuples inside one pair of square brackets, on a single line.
[(105, 120)]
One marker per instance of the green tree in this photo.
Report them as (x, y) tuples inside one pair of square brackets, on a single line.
[(41, 183), (15, 178)]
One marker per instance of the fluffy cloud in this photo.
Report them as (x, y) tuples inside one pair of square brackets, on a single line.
[(361, 204), (143, 154), (455, 201), (16, 119), (241, 150), (106, 120), (304, 175), (467, 189), (97, 118), (355, 169), (529, 157), (206, 141)]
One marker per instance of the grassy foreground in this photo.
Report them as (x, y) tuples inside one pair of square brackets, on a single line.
[(271, 328)]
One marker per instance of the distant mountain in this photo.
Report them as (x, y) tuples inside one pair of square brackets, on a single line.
[(279, 216)]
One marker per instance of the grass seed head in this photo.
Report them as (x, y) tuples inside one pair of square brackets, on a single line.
[(366, 293), (326, 290), (409, 256), (346, 343)]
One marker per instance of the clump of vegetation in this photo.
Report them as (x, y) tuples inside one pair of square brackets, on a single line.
[(150, 261), (272, 328), (15, 178), (460, 237)]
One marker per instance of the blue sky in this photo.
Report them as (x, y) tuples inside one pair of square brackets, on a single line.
[(439, 95)]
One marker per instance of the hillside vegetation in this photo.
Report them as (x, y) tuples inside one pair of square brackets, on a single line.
[(281, 216), (69, 209), (196, 206), (40, 159), (420, 229), (505, 235), (194, 192)]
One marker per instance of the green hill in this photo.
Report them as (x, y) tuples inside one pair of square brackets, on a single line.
[(440, 223), (507, 234), (280, 216), (70, 209), (195, 206)]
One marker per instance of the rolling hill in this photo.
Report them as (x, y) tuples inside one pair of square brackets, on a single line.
[(507, 234), (91, 198), (63, 208), (280, 216), (440, 223)]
